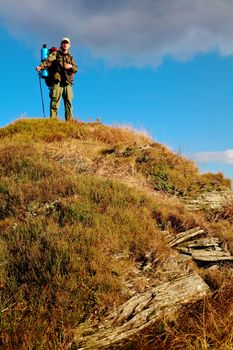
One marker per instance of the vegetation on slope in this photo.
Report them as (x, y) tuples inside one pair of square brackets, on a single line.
[(67, 213), (201, 326), (115, 152)]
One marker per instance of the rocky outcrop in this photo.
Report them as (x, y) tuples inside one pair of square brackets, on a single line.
[(175, 282), (142, 311), (201, 247), (209, 200)]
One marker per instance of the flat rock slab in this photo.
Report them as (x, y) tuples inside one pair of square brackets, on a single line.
[(211, 256), (205, 242), (185, 236), (141, 311)]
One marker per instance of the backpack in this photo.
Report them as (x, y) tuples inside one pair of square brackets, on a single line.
[(48, 79)]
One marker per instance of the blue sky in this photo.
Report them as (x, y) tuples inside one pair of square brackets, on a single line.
[(165, 66)]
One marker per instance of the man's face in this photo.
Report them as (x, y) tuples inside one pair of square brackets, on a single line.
[(65, 45)]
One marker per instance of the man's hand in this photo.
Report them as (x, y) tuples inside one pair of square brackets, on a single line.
[(68, 66), (38, 68)]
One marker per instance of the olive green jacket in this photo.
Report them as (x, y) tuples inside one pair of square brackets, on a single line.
[(55, 64)]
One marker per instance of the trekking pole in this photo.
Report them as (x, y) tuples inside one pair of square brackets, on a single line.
[(41, 94)]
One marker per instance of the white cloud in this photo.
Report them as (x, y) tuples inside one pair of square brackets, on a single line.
[(127, 32), (223, 157)]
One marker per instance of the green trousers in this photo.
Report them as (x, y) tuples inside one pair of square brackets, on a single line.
[(57, 92)]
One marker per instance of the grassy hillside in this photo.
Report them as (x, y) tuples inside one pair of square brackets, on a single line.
[(80, 203)]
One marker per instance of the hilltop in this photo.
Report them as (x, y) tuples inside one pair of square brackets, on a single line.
[(85, 214)]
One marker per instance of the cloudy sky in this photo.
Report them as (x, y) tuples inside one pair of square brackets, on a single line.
[(163, 65), (127, 32)]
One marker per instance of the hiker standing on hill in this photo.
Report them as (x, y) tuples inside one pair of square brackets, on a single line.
[(61, 67)]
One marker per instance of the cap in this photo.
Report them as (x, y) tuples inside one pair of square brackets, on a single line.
[(65, 39)]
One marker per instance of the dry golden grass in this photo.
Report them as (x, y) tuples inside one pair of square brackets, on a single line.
[(58, 131), (225, 213), (118, 152), (73, 196)]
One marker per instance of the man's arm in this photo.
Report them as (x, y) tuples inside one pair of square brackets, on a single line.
[(72, 66), (47, 63)]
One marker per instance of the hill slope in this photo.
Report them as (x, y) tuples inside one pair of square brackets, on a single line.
[(81, 205)]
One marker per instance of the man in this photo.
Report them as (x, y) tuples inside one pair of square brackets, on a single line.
[(61, 67)]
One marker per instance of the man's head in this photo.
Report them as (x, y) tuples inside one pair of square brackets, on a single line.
[(65, 44)]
